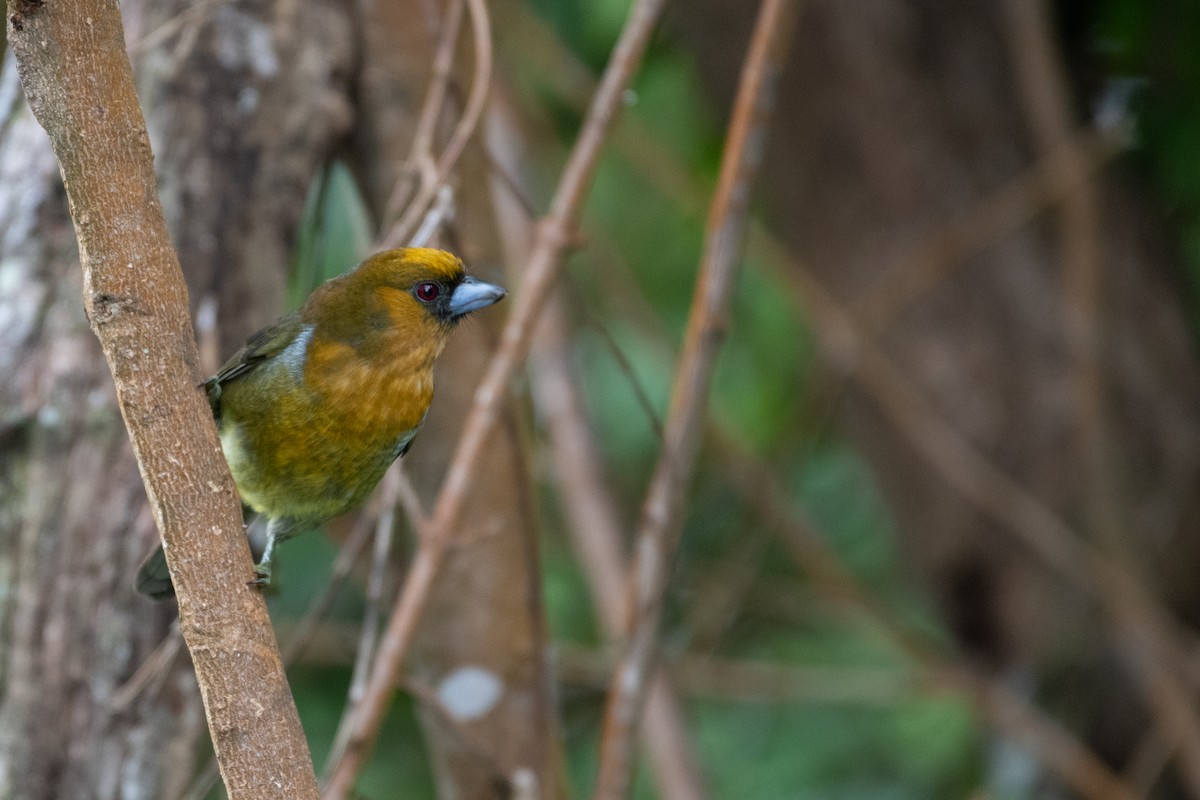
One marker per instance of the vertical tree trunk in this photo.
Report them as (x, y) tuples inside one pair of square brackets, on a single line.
[(244, 105), (74, 522)]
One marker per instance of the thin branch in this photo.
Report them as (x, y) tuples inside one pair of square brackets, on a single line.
[(545, 261), (421, 165), (472, 114), (319, 607), (594, 525), (77, 77), (595, 532), (748, 681), (625, 367), (192, 16), (384, 530), (662, 511)]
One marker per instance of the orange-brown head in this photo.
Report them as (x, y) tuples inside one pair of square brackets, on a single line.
[(414, 294)]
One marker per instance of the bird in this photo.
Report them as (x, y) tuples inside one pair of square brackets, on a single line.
[(316, 406)]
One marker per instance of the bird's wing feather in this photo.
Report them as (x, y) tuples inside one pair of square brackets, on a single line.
[(268, 342)]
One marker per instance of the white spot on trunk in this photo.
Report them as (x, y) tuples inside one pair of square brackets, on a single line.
[(470, 692)]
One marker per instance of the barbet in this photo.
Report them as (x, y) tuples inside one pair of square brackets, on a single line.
[(316, 406)]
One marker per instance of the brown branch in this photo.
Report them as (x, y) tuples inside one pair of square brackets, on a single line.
[(77, 77), (301, 635), (376, 578), (750, 681), (662, 511), (595, 532), (594, 525), (553, 234), (420, 164), (472, 114)]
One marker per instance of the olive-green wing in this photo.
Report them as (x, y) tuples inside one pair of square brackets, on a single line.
[(260, 347)]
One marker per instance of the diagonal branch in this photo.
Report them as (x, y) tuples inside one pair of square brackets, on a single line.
[(77, 77), (662, 512), (553, 234), (593, 524)]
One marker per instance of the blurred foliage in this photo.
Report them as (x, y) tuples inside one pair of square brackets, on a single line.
[(631, 286)]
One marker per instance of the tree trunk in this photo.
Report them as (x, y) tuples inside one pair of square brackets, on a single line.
[(74, 523), (244, 106)]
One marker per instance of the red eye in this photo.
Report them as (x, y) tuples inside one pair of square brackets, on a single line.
[(427, 292)]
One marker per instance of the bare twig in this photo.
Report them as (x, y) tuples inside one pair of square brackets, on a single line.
[(467, 124), (595, 531), (661, 523), (78, 80), (192, 16), (626, 368), (319, 606), (420, 165), (375, 580), (410, 501), (435, 218), (748, 681), (152, 671), (552, 236)]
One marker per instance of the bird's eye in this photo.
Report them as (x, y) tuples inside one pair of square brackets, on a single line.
[(427, 292)]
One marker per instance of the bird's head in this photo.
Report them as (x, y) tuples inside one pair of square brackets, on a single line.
[(414, 293)]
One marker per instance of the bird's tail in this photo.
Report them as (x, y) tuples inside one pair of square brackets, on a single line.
[(153, 579)]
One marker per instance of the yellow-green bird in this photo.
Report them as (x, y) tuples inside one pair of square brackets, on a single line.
[(315, 407)]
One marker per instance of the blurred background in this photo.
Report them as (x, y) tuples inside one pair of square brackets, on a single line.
[(941, 541)]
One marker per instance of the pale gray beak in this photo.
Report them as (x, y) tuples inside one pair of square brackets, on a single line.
[(473, 294)]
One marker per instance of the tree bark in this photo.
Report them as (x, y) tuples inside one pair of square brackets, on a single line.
[(74, 522), (207, 164), (244, 106)]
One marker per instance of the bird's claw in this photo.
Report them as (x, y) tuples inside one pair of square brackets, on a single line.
[(262, 577)]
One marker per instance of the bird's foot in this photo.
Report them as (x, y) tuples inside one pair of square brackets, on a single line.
[(262, 576)]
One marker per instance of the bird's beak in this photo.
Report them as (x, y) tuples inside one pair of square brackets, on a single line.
[(472, 295)]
